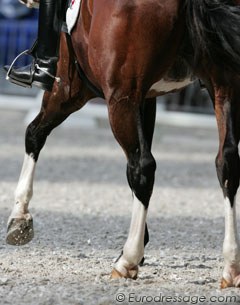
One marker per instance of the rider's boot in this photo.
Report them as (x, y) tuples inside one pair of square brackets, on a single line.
[(42, 71)]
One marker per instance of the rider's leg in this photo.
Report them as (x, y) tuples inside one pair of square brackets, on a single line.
[(42, 71)]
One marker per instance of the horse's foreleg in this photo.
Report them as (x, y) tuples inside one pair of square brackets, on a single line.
[(228, 170), (133, 128), (20, 223)]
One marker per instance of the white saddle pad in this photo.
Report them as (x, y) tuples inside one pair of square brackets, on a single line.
[(72, 14)]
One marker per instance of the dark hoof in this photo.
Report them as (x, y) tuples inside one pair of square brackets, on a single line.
[(20, 232)]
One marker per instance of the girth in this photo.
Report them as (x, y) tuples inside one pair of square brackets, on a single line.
[(81, 73)]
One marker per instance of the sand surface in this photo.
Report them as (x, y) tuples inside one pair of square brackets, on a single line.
[(82, 208)]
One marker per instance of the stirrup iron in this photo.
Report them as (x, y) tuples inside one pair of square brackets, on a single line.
[(15, 59)]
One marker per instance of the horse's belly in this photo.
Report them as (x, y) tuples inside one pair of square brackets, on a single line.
[(165, 86)]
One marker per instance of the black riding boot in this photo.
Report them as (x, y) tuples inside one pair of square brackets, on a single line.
[(42, 71)]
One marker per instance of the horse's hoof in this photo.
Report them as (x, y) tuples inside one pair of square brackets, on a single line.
[(131, 274), (20, 231), (225, 284), (235, 283), (116, 274)]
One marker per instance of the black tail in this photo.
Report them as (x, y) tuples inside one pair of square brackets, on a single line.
[(214, 29)]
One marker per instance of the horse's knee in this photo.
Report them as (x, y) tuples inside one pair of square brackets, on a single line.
[(228, 171), (140, 172)]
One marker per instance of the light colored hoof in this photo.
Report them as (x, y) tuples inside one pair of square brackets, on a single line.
[(131, 274), (20, 231), (235, 283), (116, 275), (225, 284)]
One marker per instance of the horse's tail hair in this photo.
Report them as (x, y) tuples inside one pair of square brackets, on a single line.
[(214, 30)]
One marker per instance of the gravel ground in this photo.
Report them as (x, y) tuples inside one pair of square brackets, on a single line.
[(82, 207)]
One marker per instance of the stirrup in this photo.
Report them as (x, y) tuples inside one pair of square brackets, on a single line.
[(15, 59), (44, 70)]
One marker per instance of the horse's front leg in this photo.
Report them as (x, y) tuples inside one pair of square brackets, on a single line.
[(133, 126), (54, 111), (66, 97), (20, 222), (228, 170)]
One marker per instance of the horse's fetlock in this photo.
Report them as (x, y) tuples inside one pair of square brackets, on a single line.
[(133, 255), (231, 248), (124, 264)]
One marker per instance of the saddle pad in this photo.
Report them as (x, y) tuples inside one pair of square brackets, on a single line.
[(72, 14)]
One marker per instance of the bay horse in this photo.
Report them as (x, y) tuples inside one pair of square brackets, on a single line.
[(130, 52)]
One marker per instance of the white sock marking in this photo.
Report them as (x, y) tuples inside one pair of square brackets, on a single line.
[(133, 250), (24, 189), (231, 246)]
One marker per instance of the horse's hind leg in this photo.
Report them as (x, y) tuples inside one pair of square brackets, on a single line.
[(133, 127), (228, 170), (54, 111)]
